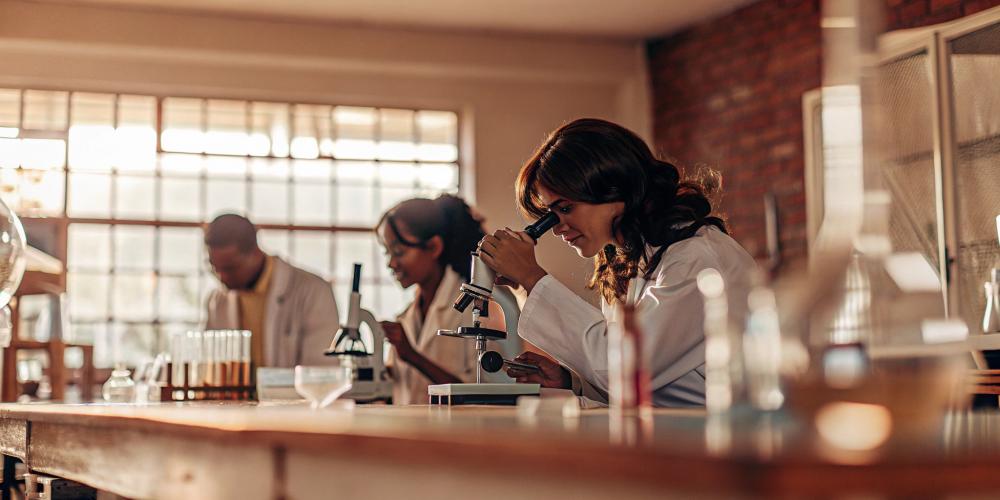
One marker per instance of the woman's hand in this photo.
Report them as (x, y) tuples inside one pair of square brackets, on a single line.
[(549, 374), (397, 337), (512, 255)]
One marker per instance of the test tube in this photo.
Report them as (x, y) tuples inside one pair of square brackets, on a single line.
[(208, 358), (245, 369), (175, 368), (232, 358)]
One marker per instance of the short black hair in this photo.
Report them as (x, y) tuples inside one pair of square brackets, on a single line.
[(231, 229)]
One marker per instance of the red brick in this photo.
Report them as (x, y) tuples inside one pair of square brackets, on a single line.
[(973, 6), (942, 4), (754, 137)]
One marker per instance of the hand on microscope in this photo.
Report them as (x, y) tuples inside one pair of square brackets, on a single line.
[(549, 374), (512, 255)]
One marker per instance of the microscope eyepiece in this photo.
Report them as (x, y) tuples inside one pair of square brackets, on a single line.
[(463, 302), (356, 282), (548, 221)]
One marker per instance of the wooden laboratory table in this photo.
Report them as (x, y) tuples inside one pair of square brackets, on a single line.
[(249, 451)]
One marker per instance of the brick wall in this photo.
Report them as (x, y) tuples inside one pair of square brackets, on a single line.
[(728, 93)]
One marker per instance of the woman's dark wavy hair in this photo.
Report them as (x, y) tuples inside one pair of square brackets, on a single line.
[(446, 216), (596, 161)]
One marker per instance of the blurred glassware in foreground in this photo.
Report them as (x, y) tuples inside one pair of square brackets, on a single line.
[(322, 385), (12, 265), (991, 314), (119, 388)]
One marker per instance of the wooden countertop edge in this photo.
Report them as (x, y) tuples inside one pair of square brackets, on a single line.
[(687, 469)]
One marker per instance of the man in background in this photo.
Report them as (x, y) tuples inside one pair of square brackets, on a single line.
[(291, 312)]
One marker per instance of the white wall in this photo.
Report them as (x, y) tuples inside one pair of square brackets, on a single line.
[(510, 90)]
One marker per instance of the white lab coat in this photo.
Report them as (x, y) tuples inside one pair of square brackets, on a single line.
[(300, 316), (670, 313), (455, 355)]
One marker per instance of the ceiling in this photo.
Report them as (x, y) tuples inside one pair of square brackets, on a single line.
[(627, 19)]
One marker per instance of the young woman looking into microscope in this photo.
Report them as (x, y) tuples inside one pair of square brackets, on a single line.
[(649, 233)]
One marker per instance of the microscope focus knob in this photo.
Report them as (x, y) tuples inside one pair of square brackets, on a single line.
[(491, 361)]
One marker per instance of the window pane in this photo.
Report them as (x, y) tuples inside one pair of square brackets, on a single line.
[(89, 195), (182, 125), (90, 147), (355, 131), (207, 283), (40, 192), (179, 298), (356, 194), (10, 188), (134, 197), (398, 174), (85, 333), (269, 168), (10, 111), (45, 110), (10, 153), (438, 133), (390, 196), (134, 247), (441, 176), (392, 299), (311, 251), (270, 129), (269, 202), (88, 295), (396, 141), (180, 199), (128, 343), (91, 136), (136, 111), (356, 172), (93, 109), (43, 154), (352, 248), (89, 247), (312, 125), (356, 206), (134, 149), (227, 128), (225, 166), (312, 204), (180, 250), (312, 170), (225, 196), (132, 296), (176, 165), (274, 242)]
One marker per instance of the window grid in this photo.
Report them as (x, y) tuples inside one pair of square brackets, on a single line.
[(333, 185)]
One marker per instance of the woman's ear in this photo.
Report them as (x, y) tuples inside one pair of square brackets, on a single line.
[(435, 246)]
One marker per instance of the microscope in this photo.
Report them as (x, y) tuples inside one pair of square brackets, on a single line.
[(371, 378), (478, 293)]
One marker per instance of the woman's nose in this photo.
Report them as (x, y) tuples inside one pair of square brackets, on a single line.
[(561, 228)]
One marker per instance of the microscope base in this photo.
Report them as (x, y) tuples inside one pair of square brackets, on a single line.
[(480, 394)]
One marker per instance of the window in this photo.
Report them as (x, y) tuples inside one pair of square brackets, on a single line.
[(135, 177)]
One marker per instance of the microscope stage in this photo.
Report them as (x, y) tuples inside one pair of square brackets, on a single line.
[(480, 394)]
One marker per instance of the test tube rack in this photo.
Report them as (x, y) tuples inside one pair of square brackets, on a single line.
[(225, 381), (210, 365)]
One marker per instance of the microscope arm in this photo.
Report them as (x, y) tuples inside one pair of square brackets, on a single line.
[(511, 312), (378, 335), (511, 346)]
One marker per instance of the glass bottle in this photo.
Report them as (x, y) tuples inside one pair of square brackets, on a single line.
[(119, 388)]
